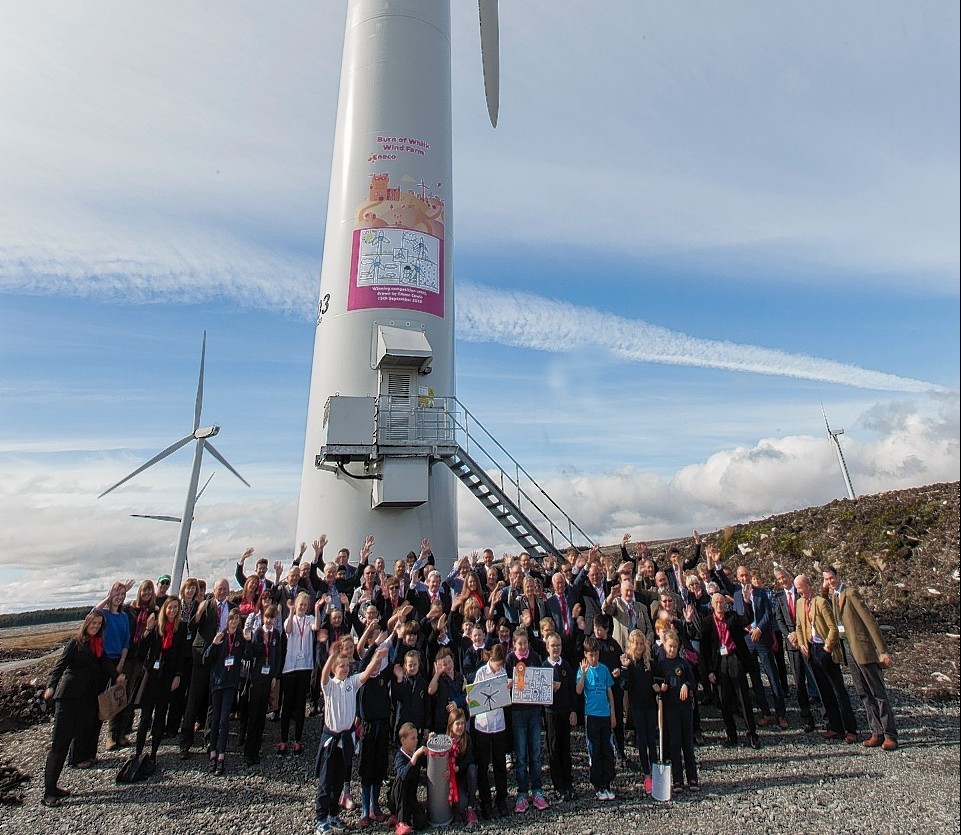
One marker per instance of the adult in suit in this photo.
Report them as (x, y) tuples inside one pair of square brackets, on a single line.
[(210, 619), (260, 571), (592, 589), (867, 656), (628, 614), (678, 566), (562, 608), (818, 640), (435, 591), (785, 612), (81, 673), (760, 643), (652, 595), (726, 655)]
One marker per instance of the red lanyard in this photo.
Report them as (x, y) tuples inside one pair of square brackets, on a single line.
[(231, 640)]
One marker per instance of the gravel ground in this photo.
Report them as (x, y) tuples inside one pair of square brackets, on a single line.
[(795, 782)]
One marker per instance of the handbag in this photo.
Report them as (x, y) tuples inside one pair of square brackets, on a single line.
[(111, 701)]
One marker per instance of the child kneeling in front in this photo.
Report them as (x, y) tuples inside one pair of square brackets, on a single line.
[(336, 743), (402, 799)]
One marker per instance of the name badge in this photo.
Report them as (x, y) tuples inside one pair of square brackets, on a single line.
[(841, 628), (229, 662), (156, 664), (723, 650), (265, 670)]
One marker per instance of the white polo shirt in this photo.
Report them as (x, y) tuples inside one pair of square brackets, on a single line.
[(340, 703)]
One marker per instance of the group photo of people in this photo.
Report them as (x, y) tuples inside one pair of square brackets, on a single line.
[(379, 656)]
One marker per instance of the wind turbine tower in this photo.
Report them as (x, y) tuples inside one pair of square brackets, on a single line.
[(201, 436), (833, 435), (386, 311)]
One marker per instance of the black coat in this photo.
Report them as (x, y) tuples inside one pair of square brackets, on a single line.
[(711, 643), (79, 674)]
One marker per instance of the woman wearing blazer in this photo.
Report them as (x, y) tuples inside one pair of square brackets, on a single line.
[(81, 673)]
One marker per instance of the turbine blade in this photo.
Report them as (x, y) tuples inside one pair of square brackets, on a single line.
[(158, 457), (198, 406), (201, 491), (210, 447), (159, 518), (490, 55)]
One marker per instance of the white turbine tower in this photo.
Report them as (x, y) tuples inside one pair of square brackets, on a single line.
[(833, 435), (201, 435)]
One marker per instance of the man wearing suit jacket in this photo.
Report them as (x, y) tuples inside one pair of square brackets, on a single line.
[(818, 640), (628, 614), (726, 655), (678, 566), (867, 656), (592, 589), (760, 643), (786, 601), (210, 619), (562, 608), (435, 591)]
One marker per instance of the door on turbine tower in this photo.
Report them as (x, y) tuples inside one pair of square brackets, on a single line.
[(398, 399)]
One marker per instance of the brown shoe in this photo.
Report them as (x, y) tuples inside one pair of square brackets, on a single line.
[(850, 739), (111, 745), (782, 723), (830, 734), (873, 742), (764, 721), (889, 744)]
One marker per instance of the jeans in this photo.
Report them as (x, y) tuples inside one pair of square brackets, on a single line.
[(527, 749)]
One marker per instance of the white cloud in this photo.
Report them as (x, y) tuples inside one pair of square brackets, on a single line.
[(64, 546)]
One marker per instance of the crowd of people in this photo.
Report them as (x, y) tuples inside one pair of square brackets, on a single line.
[(385, 655)]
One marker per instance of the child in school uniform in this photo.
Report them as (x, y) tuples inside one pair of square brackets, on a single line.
[(526, 725), (407, 813), (463, 769), (408, 693), (491, 742), (446, 690), (473, 651), (678, 694), (224, 656), (638, 680), (375, 708), (340, 711), (559, 718), (594, 680)]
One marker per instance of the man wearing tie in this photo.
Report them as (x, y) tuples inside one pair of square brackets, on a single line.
[(678, 566), (628, 614), (785, 611), (867, 656), (563, 610)]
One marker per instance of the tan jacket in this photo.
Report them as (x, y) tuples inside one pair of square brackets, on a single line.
[(824, 624), (861, 631)]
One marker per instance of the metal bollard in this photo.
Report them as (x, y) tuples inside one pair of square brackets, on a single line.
[(438, 780)]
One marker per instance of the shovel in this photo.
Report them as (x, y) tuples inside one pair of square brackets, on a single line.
[(661, 771)]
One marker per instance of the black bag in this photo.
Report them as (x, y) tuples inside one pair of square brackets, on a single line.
[(138, 767)]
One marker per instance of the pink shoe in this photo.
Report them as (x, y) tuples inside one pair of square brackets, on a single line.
[(648, 783), (403, 829), (281, 748), (520, 807), (471, 816), (347, 801), (364, 822), (539, 801)]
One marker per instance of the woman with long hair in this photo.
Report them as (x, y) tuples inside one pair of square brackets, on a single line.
[(116, 646), (463, 769), (223, 658), (250, 596), (189, 604), (79, 676), (162, 654), (300, 627), (143, 608), (638, 673)]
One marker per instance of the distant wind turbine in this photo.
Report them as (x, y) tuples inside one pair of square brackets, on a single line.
[(833, 435), (201, 436)]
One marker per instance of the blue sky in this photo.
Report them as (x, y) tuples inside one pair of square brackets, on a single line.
[(692, 226)]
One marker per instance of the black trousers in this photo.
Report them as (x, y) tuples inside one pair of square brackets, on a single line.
[(679, 718), (490, 750), (558, 727), (71, 719), (258, 697), (295, 686), (735, 694), (799, 672), (601, 751), (153, 711), (834, 695), (197, 700)]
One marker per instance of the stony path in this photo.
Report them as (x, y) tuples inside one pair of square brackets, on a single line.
[(795, 782)]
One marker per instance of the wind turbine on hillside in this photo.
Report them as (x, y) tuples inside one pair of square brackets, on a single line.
[(833, 435), (201, 435)]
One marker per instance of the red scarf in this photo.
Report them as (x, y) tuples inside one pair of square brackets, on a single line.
[(96, 646), (453, 795), (167, 639)]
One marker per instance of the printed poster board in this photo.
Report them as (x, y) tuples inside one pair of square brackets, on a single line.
[(485, 696)]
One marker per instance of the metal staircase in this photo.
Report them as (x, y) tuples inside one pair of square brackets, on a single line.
[(441, 429), (447, 431)]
